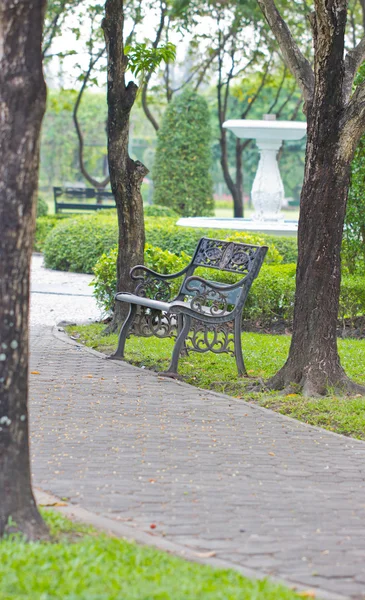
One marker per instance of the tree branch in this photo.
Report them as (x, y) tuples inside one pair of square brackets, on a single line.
[(277, 95), (295, 60), (354, 58), (94, 182), (353, 122), (259, 89)]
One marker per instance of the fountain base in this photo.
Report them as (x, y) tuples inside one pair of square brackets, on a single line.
[(280, 227)]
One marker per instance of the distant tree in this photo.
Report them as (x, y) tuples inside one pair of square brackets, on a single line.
[(22, 105), (181, 172), (353, 247)]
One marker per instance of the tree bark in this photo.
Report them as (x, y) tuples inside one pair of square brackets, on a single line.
[(126, 175), (22, 105), (313, 362)]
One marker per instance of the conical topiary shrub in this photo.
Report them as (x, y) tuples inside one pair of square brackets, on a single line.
[(181, 172)]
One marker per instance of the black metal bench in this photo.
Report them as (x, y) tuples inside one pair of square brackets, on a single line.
[(83, 195), (204, 315)]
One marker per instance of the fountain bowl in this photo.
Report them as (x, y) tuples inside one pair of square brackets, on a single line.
[(278, 227)]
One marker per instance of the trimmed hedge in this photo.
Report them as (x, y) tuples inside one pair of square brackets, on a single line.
[(42, 207), (156, 210), (77, 244), (44, 226), (165, 234)]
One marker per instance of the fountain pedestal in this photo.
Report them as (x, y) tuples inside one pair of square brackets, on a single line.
[(268, 189)]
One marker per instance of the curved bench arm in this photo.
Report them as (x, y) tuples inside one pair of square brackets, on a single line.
[(153, 285), (154, 273), (214, 285)]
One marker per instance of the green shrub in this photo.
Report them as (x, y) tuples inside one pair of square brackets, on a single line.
[(181, 172), (271, 296), (353, 244), (77, 244), (286, 246), (44, 226), (42, 207), (169, 236), (74, 248), (105, 271), (352, 297), (155, 210)]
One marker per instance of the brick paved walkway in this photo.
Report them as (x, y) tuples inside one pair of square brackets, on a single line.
[(213, 473)]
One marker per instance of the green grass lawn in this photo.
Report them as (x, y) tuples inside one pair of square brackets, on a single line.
[(264, 355), (82, 564)]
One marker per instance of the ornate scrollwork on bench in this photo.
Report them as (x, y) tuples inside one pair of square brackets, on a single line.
[(153, 287), (204, 315), (149, 322), (214, 338)]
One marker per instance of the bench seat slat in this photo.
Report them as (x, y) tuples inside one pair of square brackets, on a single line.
[(159, 305)]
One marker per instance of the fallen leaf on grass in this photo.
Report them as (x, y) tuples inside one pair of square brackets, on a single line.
[(205, 554)]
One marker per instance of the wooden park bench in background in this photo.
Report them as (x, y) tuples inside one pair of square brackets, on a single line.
[(205, 315), (82, 197)]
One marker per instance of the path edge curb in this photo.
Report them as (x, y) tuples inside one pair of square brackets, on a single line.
[(133, 534)]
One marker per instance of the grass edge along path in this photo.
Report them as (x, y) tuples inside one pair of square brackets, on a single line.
[(264, 354), (81, 563)]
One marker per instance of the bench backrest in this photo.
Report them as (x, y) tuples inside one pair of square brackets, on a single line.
[(80, 194), (233, 257)]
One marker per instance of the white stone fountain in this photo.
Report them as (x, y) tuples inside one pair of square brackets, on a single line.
[(267, 190)]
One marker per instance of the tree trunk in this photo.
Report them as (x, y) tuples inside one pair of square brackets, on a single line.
[(22, 105), (126, 175), (313, 362)]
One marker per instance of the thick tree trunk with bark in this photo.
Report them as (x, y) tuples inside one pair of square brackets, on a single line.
[(22, 105), (313, 361), (126, 175)]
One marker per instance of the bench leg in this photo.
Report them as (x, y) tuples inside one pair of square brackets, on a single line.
[(172, 370), (238, 348), (119, 353)]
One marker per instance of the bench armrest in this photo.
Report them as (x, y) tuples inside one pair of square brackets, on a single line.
[(153, 285), (154, 273), (214, 285)]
